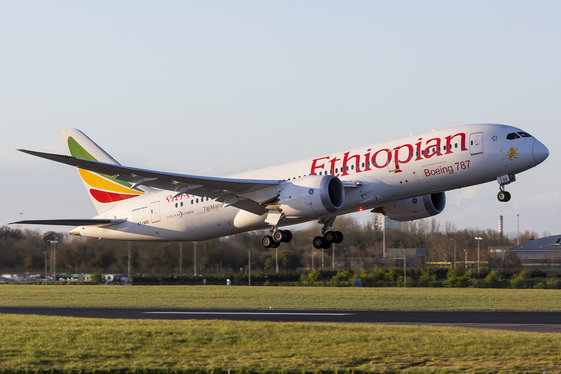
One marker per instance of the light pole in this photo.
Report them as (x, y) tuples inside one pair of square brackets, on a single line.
[(454, 239), (404, 268), (383, 237), (479, 239), (180, 258), (333, 256), (277, 250), (518, 229), (313, 257), (195, 259), (45, 266), (130, 244), (249, 265), (322, 259), (53, 244), (466, 261)]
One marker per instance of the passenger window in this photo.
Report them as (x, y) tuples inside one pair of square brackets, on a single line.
[(352, 167)]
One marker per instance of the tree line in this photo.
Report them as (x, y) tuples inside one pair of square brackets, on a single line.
[(25, 250)]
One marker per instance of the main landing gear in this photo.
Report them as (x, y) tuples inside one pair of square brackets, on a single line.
[(324, 241), (503, 195), (276, 238), (328, 237)]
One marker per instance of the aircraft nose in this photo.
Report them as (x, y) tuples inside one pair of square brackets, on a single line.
[(540, 152)]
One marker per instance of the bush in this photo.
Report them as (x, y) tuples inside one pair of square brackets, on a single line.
[(344, 275), (394, 274), (427, 276), (493, 277), (471, 274), (538, 273)]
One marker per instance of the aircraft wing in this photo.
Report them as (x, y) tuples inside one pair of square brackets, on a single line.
[(212, 187), (70, 222)]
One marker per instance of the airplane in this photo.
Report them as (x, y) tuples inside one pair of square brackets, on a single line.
[(404, 179)]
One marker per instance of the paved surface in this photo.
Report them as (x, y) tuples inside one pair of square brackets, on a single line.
[(515, 321)]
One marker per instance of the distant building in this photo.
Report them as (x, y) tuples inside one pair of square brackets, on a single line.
[(415, 257), (543, 254), (380, 220)]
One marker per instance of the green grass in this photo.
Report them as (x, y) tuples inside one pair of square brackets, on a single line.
[(36, 343), (71, 345), (344, 298)]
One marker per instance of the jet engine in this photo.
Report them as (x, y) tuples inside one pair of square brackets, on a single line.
[(415, 208), (310, 196)]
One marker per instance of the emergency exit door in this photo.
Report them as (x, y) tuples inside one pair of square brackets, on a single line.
[(155, 212), (476, 143)]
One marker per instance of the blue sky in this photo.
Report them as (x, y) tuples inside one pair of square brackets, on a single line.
[(220, 87)]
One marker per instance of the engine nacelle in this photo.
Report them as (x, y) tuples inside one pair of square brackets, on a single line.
[(311, 195), (416, 208)]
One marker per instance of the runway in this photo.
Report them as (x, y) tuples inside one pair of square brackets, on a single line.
[(545, 322)]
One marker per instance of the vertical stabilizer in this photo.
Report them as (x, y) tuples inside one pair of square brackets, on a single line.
[(106, 191)]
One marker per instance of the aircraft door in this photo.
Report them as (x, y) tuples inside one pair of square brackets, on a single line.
[(155, 212), (476, 143)]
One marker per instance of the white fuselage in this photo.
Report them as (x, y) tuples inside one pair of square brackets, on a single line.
[(380, 173)]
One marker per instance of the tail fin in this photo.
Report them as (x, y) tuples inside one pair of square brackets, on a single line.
[(105, 191)]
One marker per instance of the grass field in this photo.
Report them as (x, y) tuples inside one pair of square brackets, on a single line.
[(75, 345), (281, 297)]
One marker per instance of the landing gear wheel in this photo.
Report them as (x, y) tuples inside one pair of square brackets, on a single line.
[(267, 241), (288, 234), (330, 236), (275, 244), (503, 196), (279, 236), (338, 237), (319, 242)]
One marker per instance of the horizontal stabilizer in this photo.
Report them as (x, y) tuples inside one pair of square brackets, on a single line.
[(70, 222)]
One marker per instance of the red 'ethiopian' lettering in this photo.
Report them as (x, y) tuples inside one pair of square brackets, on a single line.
[(434, 147)]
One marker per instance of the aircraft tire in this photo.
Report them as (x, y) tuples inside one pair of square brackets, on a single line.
[(319, 242), (288, 234), (279, 236), (338, 237), (267, 241), (330, 236), (504, 196)]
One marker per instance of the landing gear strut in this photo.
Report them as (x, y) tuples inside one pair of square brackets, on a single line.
[(328, 237), (504, 196)]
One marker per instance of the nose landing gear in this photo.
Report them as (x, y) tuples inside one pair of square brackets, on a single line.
[(504, 196)]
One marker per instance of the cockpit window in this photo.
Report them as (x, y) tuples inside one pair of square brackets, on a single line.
[(512, 136), (524, 134)]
